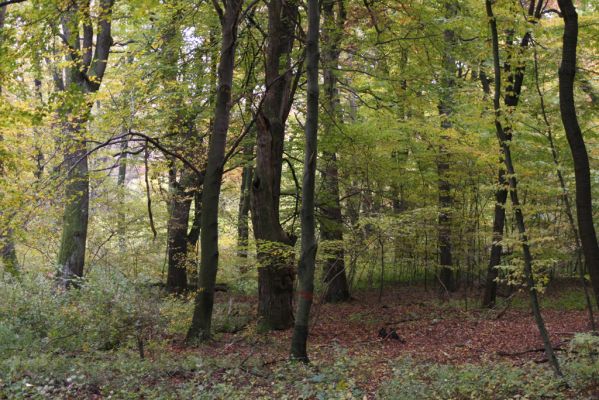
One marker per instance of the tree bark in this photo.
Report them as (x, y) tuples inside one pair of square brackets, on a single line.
[(308, 242), (446, 275), (83, 75), (202, 315), (584, 203), (179, 209), (331, 223), (274, 245)]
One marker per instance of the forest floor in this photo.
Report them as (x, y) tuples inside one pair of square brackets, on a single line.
[(454, 331)]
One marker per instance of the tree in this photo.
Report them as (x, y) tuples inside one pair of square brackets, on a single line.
[(8, 252), (331, 221), (511, 100), (204, 301), (86, 62), (307, 262), (504, 141), (443, 162), (274, 245), (584, 203)]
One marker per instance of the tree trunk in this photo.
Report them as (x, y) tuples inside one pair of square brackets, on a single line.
[(584, 204), (121, 186), (504, 142), (490, 293), (202, 315), (274, 245), (8, 252), (243, 228), (308, 253), (71, 257), (565, 196), (446, 275), (83, 75), (177, 240), (511, 100), (331, 222)]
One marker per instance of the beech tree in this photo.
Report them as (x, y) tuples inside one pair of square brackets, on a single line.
[(85, 65), (229, 15), (274, 246), (308, 255), (584, 203)]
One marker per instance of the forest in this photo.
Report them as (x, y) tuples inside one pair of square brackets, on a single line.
[(299, 199)]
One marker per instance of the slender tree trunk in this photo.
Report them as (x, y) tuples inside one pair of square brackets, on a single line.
[(565, 196), (121, 186), (308, 253), (511, 100), (490, 293), (331, 222), (504, 141), (243, 228), (446, 275), (274, 245), (584, 202), (202, 315)]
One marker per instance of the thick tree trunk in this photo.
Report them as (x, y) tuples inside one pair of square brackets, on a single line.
[(584, 203), (504, 142), (331, 223), (83, 75), (202, 315), (71, 257), (446, 275), (177, 240), (274, 245), (308, 254)]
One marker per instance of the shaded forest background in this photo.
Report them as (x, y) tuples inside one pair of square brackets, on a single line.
[(194, 190)]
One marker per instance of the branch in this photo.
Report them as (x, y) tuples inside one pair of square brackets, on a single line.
[(9, 2)]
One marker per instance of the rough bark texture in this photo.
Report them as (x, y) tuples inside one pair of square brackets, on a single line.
[(308, 253), (71, 256), (179, 208), (446, 275), (331, 222), (584, 204), (83, 75), (504, 142), (204, 301), (274, 245)]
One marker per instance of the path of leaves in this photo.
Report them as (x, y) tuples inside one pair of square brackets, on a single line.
[(435, 331)]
